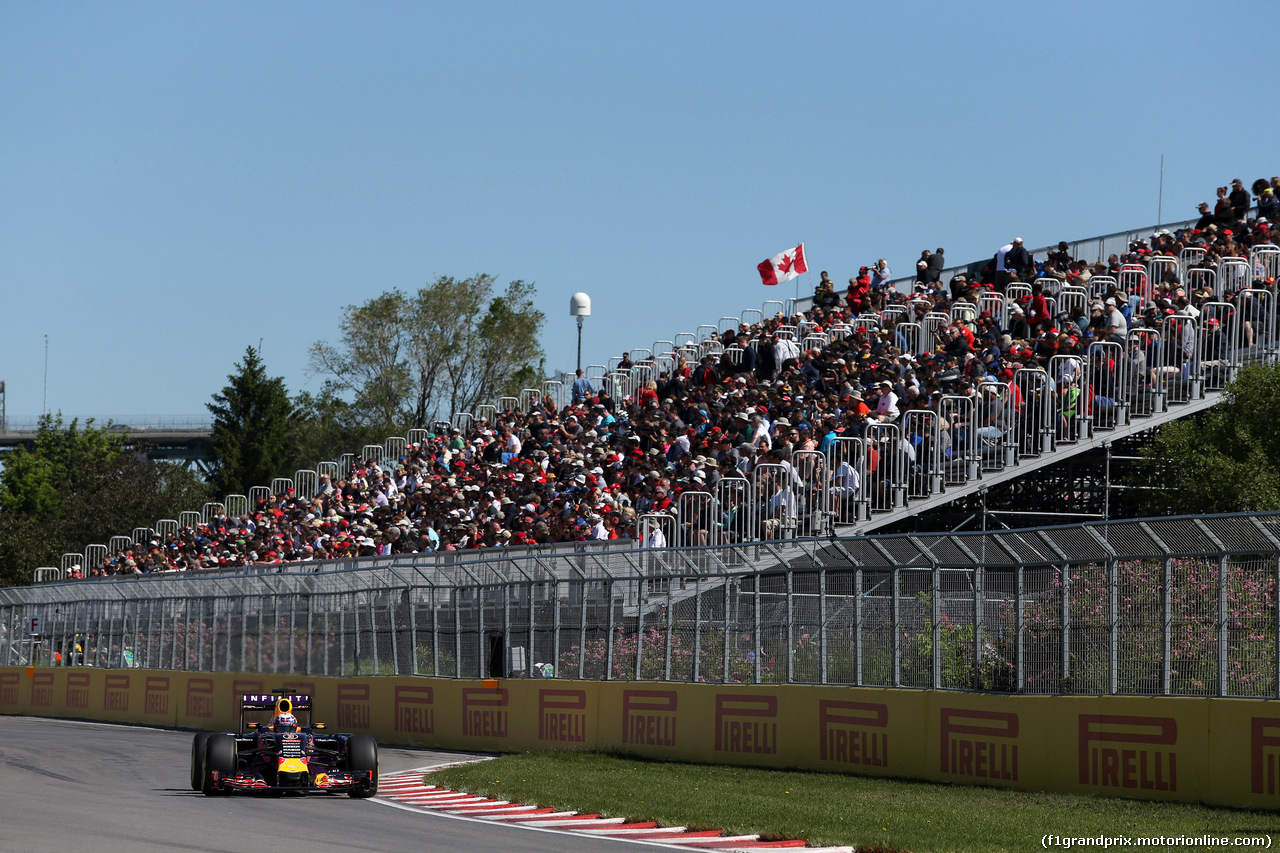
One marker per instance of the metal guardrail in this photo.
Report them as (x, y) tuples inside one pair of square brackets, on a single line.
[(1167, 606)]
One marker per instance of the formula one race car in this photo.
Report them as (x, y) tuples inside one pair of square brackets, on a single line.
[(279, 755)]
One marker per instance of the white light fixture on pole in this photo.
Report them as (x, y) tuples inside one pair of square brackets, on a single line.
[(579, 306)]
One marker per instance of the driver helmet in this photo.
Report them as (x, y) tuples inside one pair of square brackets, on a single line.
[(285, 723)]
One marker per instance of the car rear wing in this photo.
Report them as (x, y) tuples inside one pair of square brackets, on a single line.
[(276, 702), (271, 701)]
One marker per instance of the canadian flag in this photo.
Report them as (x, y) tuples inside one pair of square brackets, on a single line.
[(783, 266)]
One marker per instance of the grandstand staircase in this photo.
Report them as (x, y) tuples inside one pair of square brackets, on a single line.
[(1024, 467)]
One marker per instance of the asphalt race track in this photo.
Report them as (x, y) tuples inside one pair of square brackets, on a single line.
[(101, 788)]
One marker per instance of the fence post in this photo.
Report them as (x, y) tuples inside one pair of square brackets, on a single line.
[(666, 663), (857, 627), (935, 616), (137, 648), (582, 627), (608, 656), (199, 629), (1065, 581), (1019, 629), (698, 628), (728, 633), (355, 631), (435, 632), (640, 600), (757, 648), (173, 638), (308, 668), (413, 631), (1113, 625), (895, 623), (791, 621), (292, 642), (1222, 624), (822, 626), (1166, 626), (555, 626), (457, 634), (979, 598), (275, 632), (482, 656)]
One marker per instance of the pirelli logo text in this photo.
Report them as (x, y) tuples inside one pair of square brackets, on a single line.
[(115, 692), (200, 698), (1147, 759), (1264, 747), (649, 717), (979, 744), (562, 715), (42, 689), (155, 697), (853, 732), (484, 712), (353, 706), (77, 695), (746, 723), (413, 709), (9, 685)]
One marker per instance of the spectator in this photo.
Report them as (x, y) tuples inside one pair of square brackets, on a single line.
[(581, 387), (1239, 199), (936, 265)]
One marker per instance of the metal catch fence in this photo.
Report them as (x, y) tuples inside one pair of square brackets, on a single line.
[(1168, 606)]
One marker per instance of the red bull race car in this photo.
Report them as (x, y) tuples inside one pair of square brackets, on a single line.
[(279, 753)]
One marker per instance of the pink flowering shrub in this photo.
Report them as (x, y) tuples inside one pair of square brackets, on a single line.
[(652, 644), (1193, 630)]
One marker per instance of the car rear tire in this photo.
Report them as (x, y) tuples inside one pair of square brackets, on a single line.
[(197, 760), (219, 755), (362, 754)]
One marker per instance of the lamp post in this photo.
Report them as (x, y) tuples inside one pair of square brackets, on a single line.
[(579, 306)]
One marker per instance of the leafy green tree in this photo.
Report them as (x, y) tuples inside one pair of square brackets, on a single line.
[(327, 428), (402, 359), (76, 486), (254, 424), (1226, 459)]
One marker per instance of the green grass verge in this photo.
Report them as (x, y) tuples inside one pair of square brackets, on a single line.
[(832, 808)]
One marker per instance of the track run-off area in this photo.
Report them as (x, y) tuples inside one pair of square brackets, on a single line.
[(107, 788)]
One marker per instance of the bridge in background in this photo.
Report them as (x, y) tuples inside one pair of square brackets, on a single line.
[(187, 439)]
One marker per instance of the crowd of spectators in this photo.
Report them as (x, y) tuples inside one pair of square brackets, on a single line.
[(590, 469)]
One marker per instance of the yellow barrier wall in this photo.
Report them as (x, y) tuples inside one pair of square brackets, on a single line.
[(1221, 751)]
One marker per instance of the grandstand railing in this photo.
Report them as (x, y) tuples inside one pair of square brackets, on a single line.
[(1093, 249), (1164, 606)]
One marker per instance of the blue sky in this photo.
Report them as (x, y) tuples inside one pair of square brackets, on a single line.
[(181, 180)]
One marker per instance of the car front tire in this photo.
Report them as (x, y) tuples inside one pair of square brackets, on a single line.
[(219, 755), (197, 760), (362, 754)]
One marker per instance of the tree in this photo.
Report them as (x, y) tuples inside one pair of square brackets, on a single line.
[(402, 359), (1224, 460), (253, 428), (327, 428), (76, 486)]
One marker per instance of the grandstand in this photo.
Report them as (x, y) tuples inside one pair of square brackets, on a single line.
[(788, 421)]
